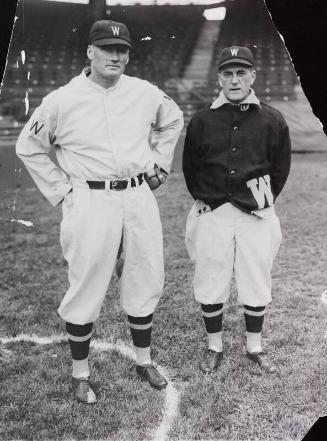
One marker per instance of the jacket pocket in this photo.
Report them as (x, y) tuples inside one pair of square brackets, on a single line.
[(201, 208)]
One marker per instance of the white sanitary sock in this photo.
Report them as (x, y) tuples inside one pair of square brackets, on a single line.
[(143, 355), (215, 341), (81, 368), (253, 342)]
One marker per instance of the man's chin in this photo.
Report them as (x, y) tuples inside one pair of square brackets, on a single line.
[(235, 98), (112, 75)]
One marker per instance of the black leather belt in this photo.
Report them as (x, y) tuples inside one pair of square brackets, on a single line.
[(118, 184)]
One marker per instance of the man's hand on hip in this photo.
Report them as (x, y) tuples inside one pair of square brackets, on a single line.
[(155, 177)]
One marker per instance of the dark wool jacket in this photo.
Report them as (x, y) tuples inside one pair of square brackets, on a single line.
[(238, 156)]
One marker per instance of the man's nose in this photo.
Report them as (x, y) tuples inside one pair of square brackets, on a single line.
[(234, 79), (113, 55)]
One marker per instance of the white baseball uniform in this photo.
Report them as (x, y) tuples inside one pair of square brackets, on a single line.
[(103, 135)]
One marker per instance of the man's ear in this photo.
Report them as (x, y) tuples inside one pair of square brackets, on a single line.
[(253, 75), (89, 52), (219, 79)]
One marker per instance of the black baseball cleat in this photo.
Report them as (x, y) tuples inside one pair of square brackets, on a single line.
[(262, 360), (150, 374), (83, 391), (211, 360)]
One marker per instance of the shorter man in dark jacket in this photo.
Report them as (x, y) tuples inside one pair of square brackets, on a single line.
[(236, 161)]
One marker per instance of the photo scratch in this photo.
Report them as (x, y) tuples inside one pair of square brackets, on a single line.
[(19, 221), (27, 103)]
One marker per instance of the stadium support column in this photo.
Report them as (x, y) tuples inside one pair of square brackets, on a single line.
[(97, 9)]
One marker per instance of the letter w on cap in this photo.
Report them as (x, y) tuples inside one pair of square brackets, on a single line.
[(115, 30), (234, 52)]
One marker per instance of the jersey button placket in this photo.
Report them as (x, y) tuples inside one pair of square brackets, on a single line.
[(108, 106), (233, 149), (234, 139)]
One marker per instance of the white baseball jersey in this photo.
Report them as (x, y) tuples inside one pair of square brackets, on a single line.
[(99, 133)]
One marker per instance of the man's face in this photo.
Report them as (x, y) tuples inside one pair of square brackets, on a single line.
[(108, 62), (236, 81)]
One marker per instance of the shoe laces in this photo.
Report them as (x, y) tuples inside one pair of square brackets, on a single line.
[(85, 385), (152, 367), (209, 353)]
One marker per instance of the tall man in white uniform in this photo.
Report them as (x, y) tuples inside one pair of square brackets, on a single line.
[(236, 161), (100, 125)]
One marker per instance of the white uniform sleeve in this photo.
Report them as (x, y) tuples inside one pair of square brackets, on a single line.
[(165, 132), (33, 147)]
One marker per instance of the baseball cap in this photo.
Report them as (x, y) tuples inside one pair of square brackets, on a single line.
[(236, 54), (105, 32)]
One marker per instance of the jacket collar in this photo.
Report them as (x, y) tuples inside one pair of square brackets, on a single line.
[(221, 100)]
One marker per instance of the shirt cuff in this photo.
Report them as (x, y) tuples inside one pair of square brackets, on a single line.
[(61, 194)]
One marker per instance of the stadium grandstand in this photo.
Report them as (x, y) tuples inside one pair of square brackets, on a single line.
[(175, 45)]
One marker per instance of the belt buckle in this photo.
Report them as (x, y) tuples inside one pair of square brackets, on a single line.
[(118, 185)]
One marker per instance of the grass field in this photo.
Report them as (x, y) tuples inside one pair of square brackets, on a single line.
[(236, 403)]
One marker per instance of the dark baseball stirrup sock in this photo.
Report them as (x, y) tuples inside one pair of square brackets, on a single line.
[(79, 337), (141, 328), (213, 320), (254, 317)]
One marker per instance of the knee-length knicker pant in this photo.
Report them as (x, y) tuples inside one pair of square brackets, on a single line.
[(227, 240), (90, 236)]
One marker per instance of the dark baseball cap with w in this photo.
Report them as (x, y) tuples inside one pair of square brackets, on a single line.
[(236, 55), (107, 32)]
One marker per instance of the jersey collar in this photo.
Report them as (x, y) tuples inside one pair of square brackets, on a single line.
[(85, 77), (221, 100)]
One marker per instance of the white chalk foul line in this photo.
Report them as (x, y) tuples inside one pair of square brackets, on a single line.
[(34, 339), (171, 409), (172, 398), (171, 405)]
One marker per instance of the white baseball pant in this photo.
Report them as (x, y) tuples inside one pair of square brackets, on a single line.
[(91, 232), (228, 240)]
